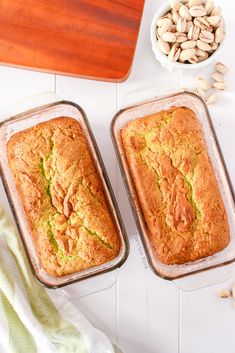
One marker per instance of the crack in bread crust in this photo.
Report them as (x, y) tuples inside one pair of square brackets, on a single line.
[(176, 185), (62, 196)]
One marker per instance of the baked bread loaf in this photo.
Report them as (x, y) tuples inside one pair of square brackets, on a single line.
[(62, 197), (176, 186)]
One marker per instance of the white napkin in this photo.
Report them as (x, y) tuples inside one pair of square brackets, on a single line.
[(36, 320)]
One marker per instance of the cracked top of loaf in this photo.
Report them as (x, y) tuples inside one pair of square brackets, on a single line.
[(62, 197), (176, 185)]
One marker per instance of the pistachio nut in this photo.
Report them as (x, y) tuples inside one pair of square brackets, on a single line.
[(217, 77), (207, 36), (211, 100), (169, 37), (193, 33), (202, 58), (189, 24), (219, 35), (214, 46), (181, 25), (189, 44), (187, 54), (184, 13), (225, 293), (214, 20), (200, 92), (200, 52), (201, 22), (203, 45), (193, 59), (176, 5), (175, 16), (233, 291), (163, 46), (162, 21), (203, 83), (209, 6), (221, 68), (174, 53), (197, 11), (216, 11), (221, 86), (181, 37)]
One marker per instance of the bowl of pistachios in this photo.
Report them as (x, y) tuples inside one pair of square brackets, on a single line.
[(188, 34)]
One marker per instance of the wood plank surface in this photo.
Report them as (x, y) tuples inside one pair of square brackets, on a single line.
[(94, 39)]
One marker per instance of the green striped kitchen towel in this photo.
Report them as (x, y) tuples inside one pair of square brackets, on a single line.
[(30, 321)]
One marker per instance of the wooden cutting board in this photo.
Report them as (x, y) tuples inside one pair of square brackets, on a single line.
[(89, 38)]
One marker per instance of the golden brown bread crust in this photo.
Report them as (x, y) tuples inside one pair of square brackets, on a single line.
[(62, 196), (176, 185)]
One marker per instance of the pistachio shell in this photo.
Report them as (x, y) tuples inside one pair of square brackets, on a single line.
[(169, 37)]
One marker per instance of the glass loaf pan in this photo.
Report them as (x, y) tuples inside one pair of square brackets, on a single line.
[(192, 101), (24, 121)]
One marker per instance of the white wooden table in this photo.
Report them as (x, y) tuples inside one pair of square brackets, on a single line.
[(141, 312)]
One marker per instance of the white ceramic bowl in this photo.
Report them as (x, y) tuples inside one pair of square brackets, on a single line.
[(163, 59)]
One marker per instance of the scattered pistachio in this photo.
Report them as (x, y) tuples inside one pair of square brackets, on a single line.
[(233, 291), (203, 83), (217, 77), (224, 293), (211, 99), (221, 86), (221, 68), (200, 92)]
